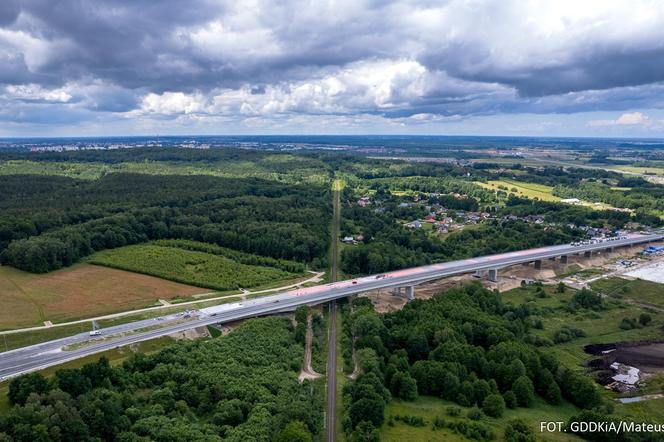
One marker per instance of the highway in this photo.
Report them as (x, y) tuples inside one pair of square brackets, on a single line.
[(35, 357)]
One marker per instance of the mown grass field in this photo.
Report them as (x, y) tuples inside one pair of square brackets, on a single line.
[(524, 190), (80, 291), (190, 267), (429, 408)]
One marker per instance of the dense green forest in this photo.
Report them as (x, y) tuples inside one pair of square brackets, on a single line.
[(466, 346), (239, 387), (49, 222)]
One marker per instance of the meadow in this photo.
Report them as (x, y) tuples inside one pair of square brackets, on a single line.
[(524, 190), (601, 326), (189, 267), (428, 408), (646, 292)]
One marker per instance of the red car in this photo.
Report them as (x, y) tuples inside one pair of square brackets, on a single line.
[(354, 282)]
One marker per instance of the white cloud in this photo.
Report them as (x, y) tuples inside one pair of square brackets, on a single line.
[(626, 119), (171, 103), (35, 92)]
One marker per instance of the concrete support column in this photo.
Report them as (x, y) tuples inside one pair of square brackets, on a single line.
[(525, 264), (609, 250), (410, 292), (564, 259), (480, 273), (588, 254), (538, 264), (493, 275), (396, 291)]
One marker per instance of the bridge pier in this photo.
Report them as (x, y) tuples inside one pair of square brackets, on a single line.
[(588, 254), (396, 291), (564, 259), (493, 275), (538, 264), (410, 292)]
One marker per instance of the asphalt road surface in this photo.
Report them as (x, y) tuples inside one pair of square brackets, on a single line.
[(15, 362)]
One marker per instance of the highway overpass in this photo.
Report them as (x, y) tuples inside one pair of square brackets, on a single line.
[(50, 353)]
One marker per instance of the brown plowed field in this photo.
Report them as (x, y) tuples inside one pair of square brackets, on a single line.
[(80, 291)]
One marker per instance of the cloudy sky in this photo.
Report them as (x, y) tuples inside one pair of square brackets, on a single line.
[(504, 67)]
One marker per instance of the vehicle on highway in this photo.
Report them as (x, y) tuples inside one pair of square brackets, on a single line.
[(95, 333), (354, 282)]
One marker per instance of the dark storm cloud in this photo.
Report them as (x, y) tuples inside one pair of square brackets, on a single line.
[(592, 69), (9, 10)]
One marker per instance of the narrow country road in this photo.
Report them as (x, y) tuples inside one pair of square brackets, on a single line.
[(307, 370), (330, 415)]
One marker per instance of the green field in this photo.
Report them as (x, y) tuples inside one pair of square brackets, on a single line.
[(601, 326), (429, 408), (524, 190), (646, 292), (190, 267)]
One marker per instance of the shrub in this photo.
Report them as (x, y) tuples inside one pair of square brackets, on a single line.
[(474, 414), (453, 411), (517, 430), (493, 405), (644, 319), (628, 324), (510, 399), (567, 333)]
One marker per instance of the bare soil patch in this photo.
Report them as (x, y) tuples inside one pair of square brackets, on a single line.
[(646, 356)]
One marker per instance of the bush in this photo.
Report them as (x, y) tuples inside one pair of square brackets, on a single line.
[(474, 414), (510, 399), (493, 405), (629, 324), (413, 421), (584, 298), (567, 333), (517, 430), (453, 411), (644, 319)]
